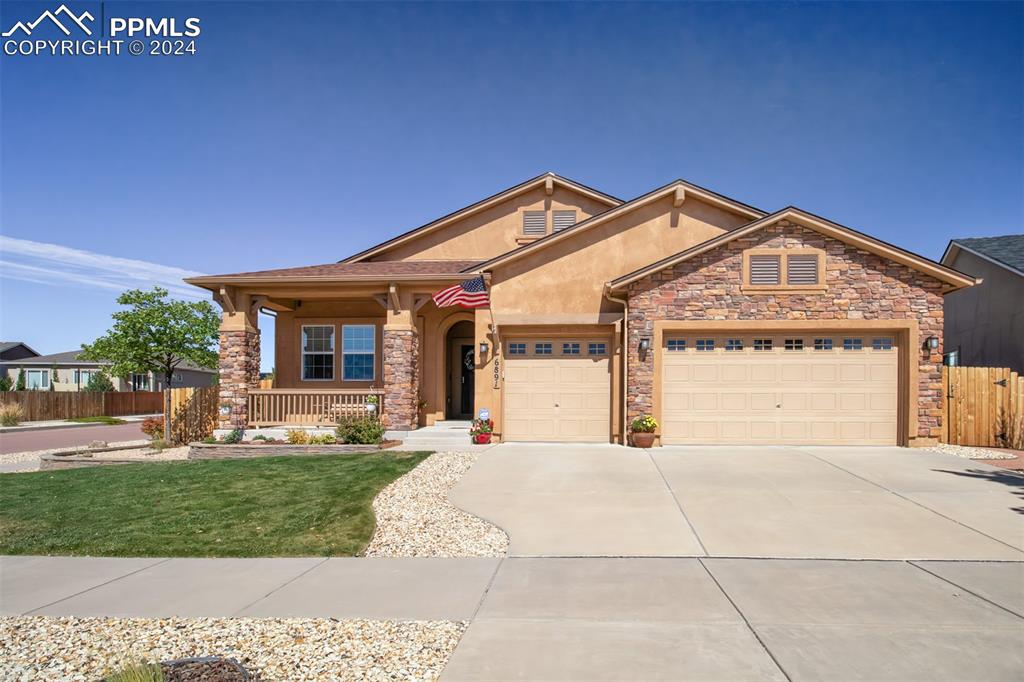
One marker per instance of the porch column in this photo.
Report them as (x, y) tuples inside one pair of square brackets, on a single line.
[(239, 360), (401, 358)]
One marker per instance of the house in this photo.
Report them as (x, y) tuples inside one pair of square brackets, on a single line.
[(15, 350), (985, 323), (728, 323), (73, 374)]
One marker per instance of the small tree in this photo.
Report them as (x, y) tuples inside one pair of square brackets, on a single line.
[(156, 334), (20, 385), (99, 382), (54, 377), (5, 383)]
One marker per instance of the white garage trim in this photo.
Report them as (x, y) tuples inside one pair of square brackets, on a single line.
[(905, 331)]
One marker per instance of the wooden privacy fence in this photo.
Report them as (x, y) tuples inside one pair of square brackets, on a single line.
[(983, 406), (192, 413), (51, 405), (308, 407)]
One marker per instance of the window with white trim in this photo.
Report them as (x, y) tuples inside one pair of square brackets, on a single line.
[(733, 344), (517, 349), (822, 344), (317, 352), (535, 223), (596, 349), (794, 344), (853, 344), (82, 377), (542, 348), (562, 219), (705, 344), (570, 349), (358, 352), (676, 344), (140, 381), (762, 344), (883, 343), (37, 379)]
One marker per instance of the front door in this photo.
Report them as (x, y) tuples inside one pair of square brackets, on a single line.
[(466, 379)]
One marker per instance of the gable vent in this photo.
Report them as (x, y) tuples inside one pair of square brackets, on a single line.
[(564, 219), (535, 223), (802, 269), (764, 269)]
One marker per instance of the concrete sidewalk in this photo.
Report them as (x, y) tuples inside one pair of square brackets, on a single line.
[(594, 618)]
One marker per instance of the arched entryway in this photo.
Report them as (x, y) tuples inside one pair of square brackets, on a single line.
[(460, 362)]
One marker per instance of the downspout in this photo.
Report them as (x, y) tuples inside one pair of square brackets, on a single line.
[(624, 346)]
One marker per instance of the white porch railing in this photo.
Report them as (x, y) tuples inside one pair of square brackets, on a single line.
[(308, 407)]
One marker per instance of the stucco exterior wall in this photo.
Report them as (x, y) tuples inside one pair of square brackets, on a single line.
[(567, 278), (493, 231), (986, 322), (861, 286)]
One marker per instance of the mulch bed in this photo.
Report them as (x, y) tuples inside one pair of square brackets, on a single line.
[(205, 670)]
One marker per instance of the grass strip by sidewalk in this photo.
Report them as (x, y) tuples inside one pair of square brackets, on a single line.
[(100, 420), (273, 506)]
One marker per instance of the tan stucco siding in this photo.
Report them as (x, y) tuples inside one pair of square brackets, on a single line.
[(568, 277), (493, 231)]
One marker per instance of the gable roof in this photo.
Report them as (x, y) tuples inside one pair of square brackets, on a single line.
[(687, 188), (343, 272), (1007, 251), (8, 345), (955, 279), (483, 204)]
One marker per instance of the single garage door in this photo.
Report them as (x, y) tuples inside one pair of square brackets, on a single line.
[(557, 389), (822, 388)]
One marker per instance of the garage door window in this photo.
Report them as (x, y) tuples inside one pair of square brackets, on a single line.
[(762, 344), (853, 344), (794, 344), (596, 349), (822, 344), (542, 348), (884, 343), (705, 344), (570, 349), (733, 344), (517, 349), (676, 344)]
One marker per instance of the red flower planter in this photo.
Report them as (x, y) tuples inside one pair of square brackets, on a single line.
[(482, 438)]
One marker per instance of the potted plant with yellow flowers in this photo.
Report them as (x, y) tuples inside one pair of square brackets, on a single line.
[(642, 430)]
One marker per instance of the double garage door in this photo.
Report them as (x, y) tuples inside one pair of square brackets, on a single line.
[(557, 389), (821, 388)]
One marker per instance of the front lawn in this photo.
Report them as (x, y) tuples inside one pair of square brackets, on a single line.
[(273, 506), (98, 420)]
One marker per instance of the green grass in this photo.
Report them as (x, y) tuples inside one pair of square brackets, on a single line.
[(98, 420), (272, 506)]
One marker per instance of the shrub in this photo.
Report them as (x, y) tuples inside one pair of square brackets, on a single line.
[(298, 437), (234, 436), (137, 672), (259, 436), (644, 424), (153, 427), (323, 439), (99, 383), (11, 414), (158, 444), (20, 384), (5, 383), (210, 440), (360, 431)]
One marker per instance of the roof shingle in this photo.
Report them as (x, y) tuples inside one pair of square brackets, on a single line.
[(427, 268), (1008, 249)]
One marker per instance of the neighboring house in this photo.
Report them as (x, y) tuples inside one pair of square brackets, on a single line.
[(74, 373), (728, 323), (15, 350), (985, 324)]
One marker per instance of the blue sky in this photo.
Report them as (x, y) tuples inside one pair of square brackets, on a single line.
[(303, 132)]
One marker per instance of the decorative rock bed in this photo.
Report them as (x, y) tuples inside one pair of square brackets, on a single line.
[(110, 456), (246, 450)]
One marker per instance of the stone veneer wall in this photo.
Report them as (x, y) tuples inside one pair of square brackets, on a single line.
[(401, 378), (239, 371), (861, 286)]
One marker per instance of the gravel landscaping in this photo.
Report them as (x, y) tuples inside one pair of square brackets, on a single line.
[(969, 452), (415, 518), (287, 649)]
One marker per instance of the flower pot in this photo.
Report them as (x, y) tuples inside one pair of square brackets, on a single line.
[(643, 440), (482, 438)]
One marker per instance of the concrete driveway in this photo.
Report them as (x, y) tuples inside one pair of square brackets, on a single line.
[(720, 501)]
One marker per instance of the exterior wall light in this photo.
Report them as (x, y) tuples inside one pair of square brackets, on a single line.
[(645, 344), (483, 348), (932, 342)]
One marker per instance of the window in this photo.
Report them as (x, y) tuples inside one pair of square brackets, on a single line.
[(82, 377), (535, 223), (762, 344), (318, 352), (358, 350), (822, 344), (139, 382), (676, 344), (733, 344), (596, 349), (794, 344), (802, 269), (765, 270), (570, 349), (705, 344), (37, 379), (852, 344), (517, 349), (883, 343), (542, 348), (562, 219)]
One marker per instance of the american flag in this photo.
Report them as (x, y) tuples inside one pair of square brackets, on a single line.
[(469, 294)]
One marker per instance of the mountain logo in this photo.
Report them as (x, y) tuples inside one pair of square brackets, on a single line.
[(70, 16)]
